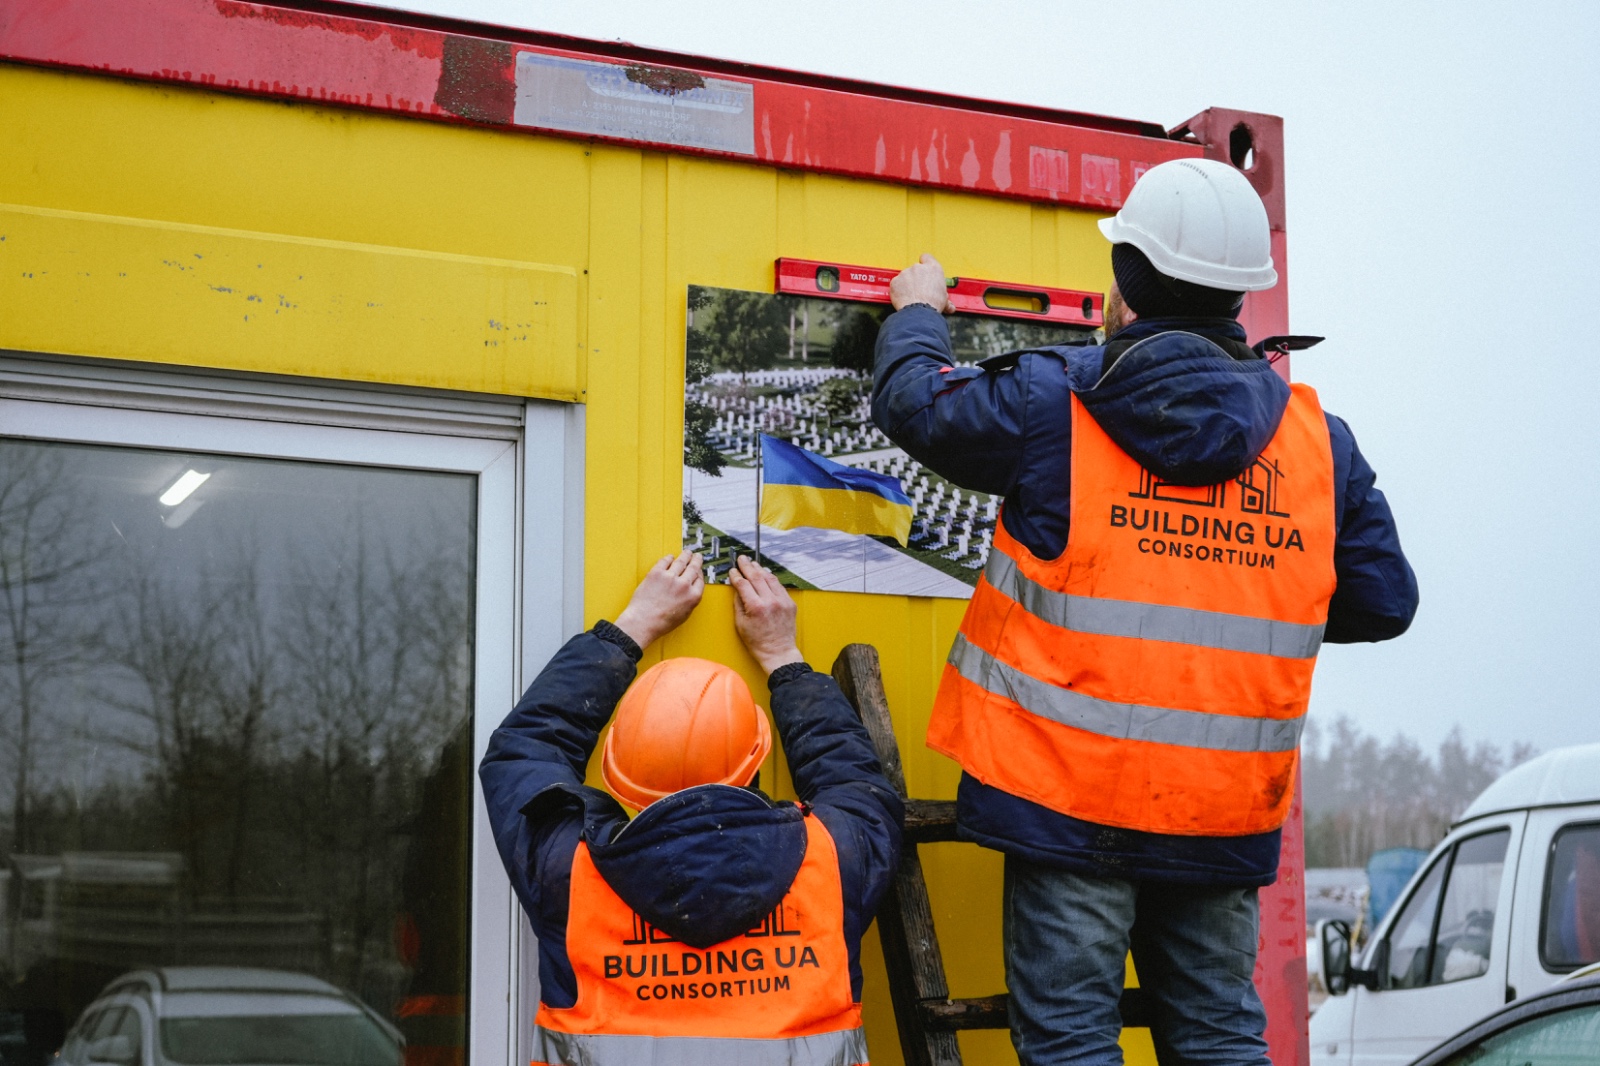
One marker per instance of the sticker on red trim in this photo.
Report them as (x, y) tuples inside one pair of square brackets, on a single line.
[(666, 105)]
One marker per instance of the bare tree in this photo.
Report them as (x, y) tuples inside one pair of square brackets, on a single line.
[(381, 655), (49, 588), (173, 646), (248, 691), (207, 677), (1363, 795)]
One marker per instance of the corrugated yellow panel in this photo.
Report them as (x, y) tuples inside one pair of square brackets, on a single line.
[(87, 284), (87, 143), (628, 231)]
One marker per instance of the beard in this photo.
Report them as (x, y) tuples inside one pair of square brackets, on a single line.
[(1117, 313)]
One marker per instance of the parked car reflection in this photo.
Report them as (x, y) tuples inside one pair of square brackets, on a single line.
[(228, 692), (228, 1016)]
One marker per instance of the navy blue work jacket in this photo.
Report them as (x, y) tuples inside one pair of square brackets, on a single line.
[(1195, 408), (704, 864)]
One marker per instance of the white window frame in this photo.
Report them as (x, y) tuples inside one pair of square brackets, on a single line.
[(527, 457)]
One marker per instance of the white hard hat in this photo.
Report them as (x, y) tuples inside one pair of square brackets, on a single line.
[(1198, 220)]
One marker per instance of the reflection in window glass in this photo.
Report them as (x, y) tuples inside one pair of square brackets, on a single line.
[(234, 736), (1466, 921), (1568, 1038), (1572, 899), (128, 1026), (286, 1040), (108, 1023), (1408, 939)]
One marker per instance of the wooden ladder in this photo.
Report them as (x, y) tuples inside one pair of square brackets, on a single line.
[(927, 1018)]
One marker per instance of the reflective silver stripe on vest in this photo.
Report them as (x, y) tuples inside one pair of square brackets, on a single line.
[(1130, 721), (1151, 621), (847, 1047)]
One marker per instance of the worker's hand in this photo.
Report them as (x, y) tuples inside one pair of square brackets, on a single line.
[(668, 594), (763, 613), (921, 283)]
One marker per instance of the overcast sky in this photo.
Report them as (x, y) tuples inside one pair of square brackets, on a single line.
[(1443, 229)]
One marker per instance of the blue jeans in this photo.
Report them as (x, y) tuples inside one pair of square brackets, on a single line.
[(1067, 937)]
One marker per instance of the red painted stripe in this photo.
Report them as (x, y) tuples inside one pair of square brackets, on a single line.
[(422, 68)]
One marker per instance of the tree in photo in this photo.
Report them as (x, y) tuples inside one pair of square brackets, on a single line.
[(750, 331), (839, 398), (855, 341), (697, 345), (698, 451)]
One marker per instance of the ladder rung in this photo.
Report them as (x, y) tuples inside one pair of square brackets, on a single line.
[(989, 1012), (926, 1018), (928, 821)]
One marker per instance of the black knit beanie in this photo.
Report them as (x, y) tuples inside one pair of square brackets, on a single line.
[(1152, 294)]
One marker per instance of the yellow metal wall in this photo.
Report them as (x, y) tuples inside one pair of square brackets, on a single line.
[(496, 262)]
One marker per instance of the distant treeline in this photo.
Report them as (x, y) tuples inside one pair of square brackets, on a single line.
[(1363, 794)]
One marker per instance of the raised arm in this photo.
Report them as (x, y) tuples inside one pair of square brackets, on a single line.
[(963, 422), (533, 772), (550, 734), (829, 752)]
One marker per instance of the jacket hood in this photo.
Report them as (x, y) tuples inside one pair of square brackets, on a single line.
[(707, 863), (1188, 400)]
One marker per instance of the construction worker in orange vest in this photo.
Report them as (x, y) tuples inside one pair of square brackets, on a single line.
[(1181, 531), (718, 927)]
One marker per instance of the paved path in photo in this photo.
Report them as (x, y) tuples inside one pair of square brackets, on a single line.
[(827, 558)]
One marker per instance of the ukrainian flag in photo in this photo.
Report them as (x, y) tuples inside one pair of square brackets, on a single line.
[(804, 489)]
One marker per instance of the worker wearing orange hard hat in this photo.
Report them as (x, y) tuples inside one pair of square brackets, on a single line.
[(717, 926)]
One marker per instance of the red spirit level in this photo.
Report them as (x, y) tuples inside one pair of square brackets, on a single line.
[(840, 281)]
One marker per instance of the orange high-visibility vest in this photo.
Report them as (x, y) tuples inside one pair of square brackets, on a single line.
[(778, 995), (1154, 676)]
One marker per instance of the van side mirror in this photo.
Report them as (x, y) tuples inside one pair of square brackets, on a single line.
[(115, 1050), (1334, 937), (1337, 973)]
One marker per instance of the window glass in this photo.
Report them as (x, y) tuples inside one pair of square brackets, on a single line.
[(107, 1024), (1412, 930), (234, 731), (128, 1026), (1466, 920), (1567, 1038), (286, 1040), (78, 1037), (1572, 899)]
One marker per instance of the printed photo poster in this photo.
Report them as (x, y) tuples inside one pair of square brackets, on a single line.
[(778, 443)]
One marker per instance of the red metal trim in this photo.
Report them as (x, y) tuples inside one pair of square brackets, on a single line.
[(632, 53), (446, 71), (1254, 143), (970, 296)]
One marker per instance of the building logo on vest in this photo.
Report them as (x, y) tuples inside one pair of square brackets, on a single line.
[(1227, 536), (741, 968)]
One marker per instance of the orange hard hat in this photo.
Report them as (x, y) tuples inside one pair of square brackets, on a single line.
[(685, 722)]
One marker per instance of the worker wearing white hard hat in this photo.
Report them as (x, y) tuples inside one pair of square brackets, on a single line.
[(1198, 221), (1182, 530)]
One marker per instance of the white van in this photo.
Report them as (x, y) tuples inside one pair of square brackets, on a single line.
[(1506, 906)]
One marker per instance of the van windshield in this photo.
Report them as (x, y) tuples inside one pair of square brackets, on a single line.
[(278, 1040)]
